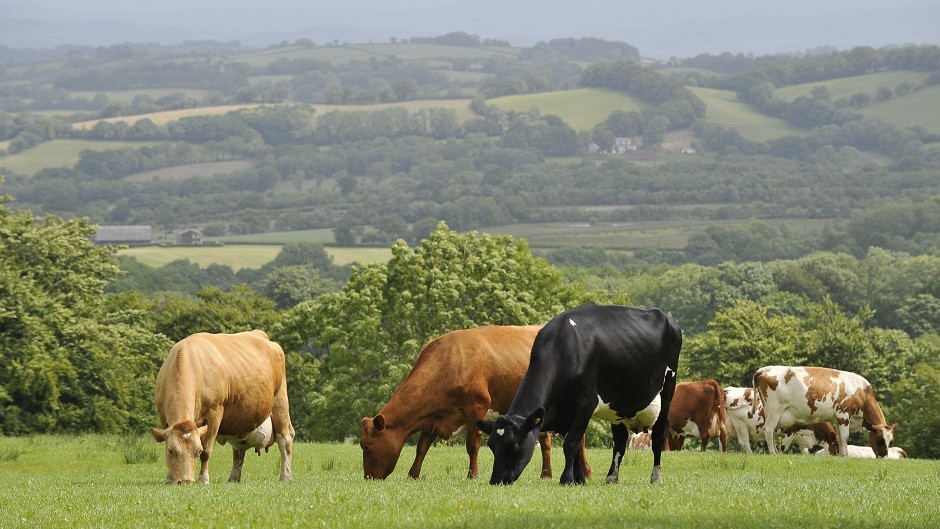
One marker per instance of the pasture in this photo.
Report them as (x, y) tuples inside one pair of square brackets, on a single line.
[(849, 86), (581, 108), (243, 255), (346, 53), (61, 153), (96, 480), (724, 109)]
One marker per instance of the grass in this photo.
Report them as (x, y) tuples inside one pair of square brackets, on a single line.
[(581, 109), (724, 109), (84, 482), (60, 153), (240, 256), (918, 108), (363, 52), (849, 86), (127, 96)]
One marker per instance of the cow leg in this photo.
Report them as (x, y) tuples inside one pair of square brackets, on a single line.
[(770, 428), (842, 428), (621, 435), (283, 432), (212, 419), (424, 444), (238, 459), (574, 472), (658, 436), (584, 462), (545, 443)]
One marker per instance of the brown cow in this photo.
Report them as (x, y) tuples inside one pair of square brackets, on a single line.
[(698, 408), (809, 395), (458, 378), (222, 387)]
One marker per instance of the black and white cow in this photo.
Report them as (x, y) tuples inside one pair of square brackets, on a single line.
[(611, 362)]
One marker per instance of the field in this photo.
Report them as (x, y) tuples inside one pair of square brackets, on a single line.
[(240, 256), (92, 481), (60, 153), (724, 109), (363, 52), (128, 96), (918, 108), (849, 86), (581, 109)]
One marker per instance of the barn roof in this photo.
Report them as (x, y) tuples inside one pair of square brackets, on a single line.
[(119, 234)]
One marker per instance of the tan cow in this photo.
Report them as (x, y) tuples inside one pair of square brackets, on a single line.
[(456, 381), (810, 395), (222, 387), (697, 409)]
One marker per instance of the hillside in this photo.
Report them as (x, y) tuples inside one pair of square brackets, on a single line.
[(581, 108), (724, 109)]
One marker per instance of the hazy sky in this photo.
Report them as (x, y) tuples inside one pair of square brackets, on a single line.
[(659, 29)]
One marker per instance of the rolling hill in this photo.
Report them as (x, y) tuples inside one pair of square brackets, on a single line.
[(581, 108)]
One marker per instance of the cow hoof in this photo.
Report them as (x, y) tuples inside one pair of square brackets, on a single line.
[(657, 476), (612, 480)]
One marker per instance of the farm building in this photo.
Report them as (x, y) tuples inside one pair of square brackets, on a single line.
[(124, 235), (189, 237)]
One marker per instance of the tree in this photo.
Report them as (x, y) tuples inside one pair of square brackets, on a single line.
[(67, 364), (918, 399), (370, 333)]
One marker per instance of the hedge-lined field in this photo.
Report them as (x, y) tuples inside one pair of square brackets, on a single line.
[(95, 481)]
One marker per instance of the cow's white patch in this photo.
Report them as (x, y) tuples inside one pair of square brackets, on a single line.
[(573, 324), (643, 419), (501, 431), (187, 435)]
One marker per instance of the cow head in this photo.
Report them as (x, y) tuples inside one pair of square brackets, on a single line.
[(512, 439), (881, 437), (183, 448), (380, 449)]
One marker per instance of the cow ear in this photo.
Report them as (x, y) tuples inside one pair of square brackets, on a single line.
[(202, 432), (868, 426), (485, 426), (158, 434), (379, 422), (894, 427), (535, 419)]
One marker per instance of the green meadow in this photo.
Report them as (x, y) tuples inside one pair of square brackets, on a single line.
[(240, 256), (97, 481), (340, 54), (920, 108), (849, 86), (581, 108), (60, 153), (724, 109)]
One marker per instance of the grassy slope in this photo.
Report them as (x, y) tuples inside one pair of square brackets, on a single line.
[(246, 255), (920, 108), (83, 481), (724, 109), (581, 108), (848, 86), (363, 52), (60, 153)]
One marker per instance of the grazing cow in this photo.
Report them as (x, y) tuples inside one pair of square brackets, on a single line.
[(640, 442), (697, 409), (807, 436), (615, 363), (457, 379), (745, 419), (866, 452), (226, 388), (810, 395)]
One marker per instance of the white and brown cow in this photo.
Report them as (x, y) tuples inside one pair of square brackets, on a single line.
[(230, 388), (865, 452), (811, 395), (745, 418), (697, 410)]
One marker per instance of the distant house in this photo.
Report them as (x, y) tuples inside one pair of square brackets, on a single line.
[(189, 237), (623, 144), (687, 151), (124, 235)]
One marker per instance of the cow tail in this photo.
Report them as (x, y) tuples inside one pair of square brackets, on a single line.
[(757, 393)]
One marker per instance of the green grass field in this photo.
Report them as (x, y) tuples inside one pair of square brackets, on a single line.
[(78, 482), (240, 256), (724, 109), (581, 108), (363, 52), (60, 153), (127, 96), (848, 86), (920, 108)]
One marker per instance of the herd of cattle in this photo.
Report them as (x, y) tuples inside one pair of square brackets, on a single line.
[(518, 385)]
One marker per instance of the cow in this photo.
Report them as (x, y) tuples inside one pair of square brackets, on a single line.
[(807, 436), (697, 409), (745, 420), (225, 388), (809, 395), (457, 380), (865, 452), (640, 442), (612, 362)]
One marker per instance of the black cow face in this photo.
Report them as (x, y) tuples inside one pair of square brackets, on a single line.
[(512, 439)]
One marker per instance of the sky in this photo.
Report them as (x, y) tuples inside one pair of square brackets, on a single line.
[(678, 28)]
